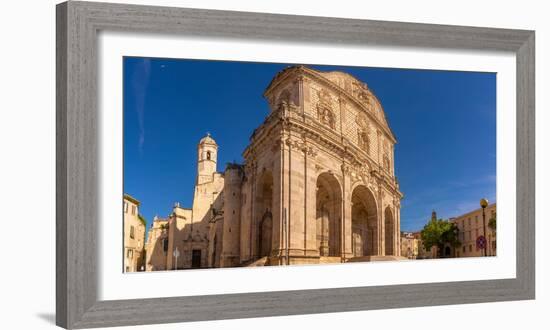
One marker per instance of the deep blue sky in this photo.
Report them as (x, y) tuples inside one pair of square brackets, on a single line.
[(444, 121)]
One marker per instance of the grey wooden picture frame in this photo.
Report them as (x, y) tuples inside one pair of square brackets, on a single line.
[(77, 190)]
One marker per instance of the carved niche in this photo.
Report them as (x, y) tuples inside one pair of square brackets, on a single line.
[(285, 101), (325, 114), (386, 157), (363, 132), (284, 97)]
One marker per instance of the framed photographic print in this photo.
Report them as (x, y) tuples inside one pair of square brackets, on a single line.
[(234, 165)]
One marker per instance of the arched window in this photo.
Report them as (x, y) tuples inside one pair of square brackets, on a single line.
[(208, 155)]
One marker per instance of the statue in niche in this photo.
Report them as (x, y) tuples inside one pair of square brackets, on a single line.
[(325, 115), (364, 141)]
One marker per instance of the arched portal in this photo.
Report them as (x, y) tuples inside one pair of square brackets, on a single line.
[(329, 215), (265, 221), (364, 223), (389, 231)]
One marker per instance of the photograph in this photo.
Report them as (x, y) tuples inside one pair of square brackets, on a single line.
[(268, 165), (249, 164)]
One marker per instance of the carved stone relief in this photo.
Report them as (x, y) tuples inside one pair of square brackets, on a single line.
[(325, 113), (301, 145), (363, 132)]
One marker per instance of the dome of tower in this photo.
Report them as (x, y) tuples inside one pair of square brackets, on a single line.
[(207, 140)]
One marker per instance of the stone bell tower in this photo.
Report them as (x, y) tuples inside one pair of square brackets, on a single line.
[(207, 158)]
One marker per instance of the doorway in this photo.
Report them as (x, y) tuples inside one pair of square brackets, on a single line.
[(196, 259)]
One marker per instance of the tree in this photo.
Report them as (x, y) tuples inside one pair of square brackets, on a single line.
[(439, 233), (493, 224)]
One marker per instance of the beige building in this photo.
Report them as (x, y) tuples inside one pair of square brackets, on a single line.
[(156, 246), (470, 226), (422, 252), (409, 245), (317, 185), (134, 235)]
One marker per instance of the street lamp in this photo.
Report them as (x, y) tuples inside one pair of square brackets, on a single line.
[(483, 203)]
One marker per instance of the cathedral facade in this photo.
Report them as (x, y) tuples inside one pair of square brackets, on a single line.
[(317, 185)]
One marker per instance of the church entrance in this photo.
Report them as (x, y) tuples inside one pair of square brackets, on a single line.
[(196, 259), (265, 221), (329, 215), (266, 228), (364, 240)]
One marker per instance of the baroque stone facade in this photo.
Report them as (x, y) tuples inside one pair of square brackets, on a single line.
[(317, 185)]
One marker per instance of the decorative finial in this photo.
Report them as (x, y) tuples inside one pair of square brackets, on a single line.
[(207, 133)]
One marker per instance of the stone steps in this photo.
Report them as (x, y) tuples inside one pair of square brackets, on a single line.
[(376, 258), (256, 263), (330, 260)]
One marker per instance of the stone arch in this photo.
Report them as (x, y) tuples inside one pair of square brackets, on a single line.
[(389, 228), (447, 251), (364, 220), (328, 215), (264, 228)]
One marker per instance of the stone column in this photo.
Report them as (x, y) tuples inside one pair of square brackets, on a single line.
[(296, 201), (278, 200), (283, 194), (346, 232), (300, 83), (310, 198), (381, 225), (232, 218), (253, 221), (378, 147), (246, 215), (397, 224)]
